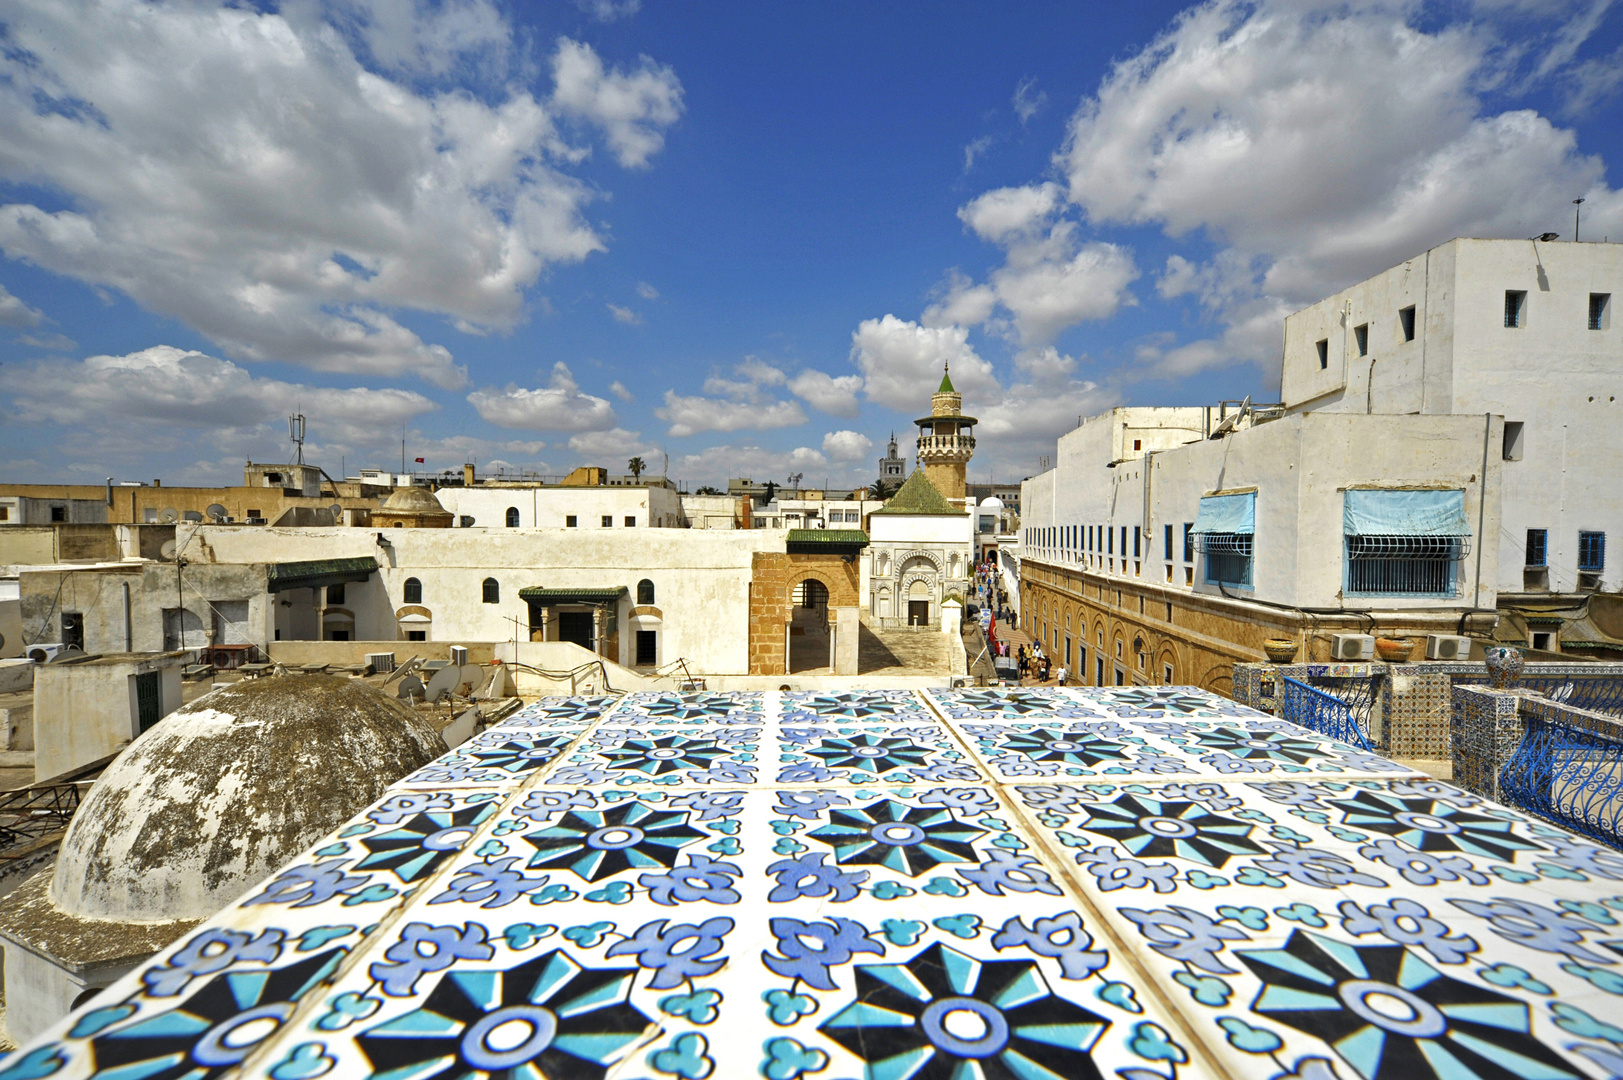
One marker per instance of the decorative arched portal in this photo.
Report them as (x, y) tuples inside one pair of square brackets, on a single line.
[(814, 593)]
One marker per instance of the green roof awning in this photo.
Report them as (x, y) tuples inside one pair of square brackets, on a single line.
[(826, 541), (535, 594), (317, 573)]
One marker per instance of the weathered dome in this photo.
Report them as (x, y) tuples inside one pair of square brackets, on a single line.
[(413, 500), (227, 789)]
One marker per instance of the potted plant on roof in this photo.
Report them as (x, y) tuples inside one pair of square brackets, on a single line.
[(1280, 650), (1394, 650)]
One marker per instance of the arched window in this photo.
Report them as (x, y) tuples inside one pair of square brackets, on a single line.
[(512, 517), (493, 591), (645, 591), (413, 591)]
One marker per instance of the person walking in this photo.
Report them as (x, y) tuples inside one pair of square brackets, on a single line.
[(1062, 674)]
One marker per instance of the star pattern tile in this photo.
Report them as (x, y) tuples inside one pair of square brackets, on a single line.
[(894, 884)]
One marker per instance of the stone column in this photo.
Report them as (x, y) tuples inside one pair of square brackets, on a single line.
[(846, 630)]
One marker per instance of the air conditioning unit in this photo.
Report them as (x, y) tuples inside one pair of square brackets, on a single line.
[(1447, 647), (381, 663), (459, 656), (45, 653), (1352, 647)]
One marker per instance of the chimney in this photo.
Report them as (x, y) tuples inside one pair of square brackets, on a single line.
[(157, 483), (109, 491), (467, 476)]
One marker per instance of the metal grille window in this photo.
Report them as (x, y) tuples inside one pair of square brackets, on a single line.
[(1403, 565), (1228, 558), (1537, 547), (1515, 301), (1591, 552), (1598, 303)]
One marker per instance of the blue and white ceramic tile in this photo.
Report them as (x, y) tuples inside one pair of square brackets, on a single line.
[(653, 900), (1373, 928), (798, 940), (560, 713), (213, 997), (502, 756), (736, 707)]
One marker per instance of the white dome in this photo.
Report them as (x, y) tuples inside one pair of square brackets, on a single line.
[(994, 503), (227, 789)]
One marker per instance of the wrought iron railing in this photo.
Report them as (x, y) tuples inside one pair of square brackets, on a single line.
[(32, 813), (1596, 693), (1324, 713), (1569, 772)]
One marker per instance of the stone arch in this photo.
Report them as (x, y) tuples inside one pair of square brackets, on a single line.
[(1165, 658)]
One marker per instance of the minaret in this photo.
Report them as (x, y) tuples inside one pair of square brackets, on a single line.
[(946, 440), (892, 469)]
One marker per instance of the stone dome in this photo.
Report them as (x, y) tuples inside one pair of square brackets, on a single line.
[(413, 500), (225, 790)]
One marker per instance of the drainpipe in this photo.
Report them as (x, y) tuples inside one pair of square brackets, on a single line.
[(1482, 505)]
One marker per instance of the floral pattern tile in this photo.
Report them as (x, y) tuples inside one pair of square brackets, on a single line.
[(889, 884)]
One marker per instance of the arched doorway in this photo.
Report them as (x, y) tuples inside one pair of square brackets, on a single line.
[(918, 604), (808, 626)]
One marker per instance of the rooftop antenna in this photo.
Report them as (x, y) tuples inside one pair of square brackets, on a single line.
[(295, 431), (1577, 208)]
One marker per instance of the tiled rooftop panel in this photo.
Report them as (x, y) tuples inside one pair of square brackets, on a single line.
[(1133, 883)]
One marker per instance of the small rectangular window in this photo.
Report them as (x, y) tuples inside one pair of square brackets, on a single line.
[(1138, 444), (1323, 345), (1537, 547), (1110, 541), (1513, 441), (335, 595), (1591, 552), (647, 648), (608, 521), (1361, 336), (1515, 303), (1124, 541), (1189, 541), (1167, 542), (1600, 309), (59, 513), (1541, 642), (1406, 322), (570, 522), (5, 513), (1137, 540), (631, 522)]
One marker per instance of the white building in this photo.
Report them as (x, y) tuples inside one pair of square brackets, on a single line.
[(1443, 448), (920, 551), (556, 506), (1516, 328)]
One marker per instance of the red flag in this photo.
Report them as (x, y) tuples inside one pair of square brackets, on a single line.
[(418, 460)]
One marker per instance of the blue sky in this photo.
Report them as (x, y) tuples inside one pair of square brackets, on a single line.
[(744, 235)]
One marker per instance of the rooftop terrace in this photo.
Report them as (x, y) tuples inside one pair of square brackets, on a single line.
[(1141, 883)]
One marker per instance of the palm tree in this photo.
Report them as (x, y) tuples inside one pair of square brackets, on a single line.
[(707, 490), (636, 465), (879, 489)]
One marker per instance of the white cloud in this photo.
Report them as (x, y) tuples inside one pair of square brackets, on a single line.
[(613, 447), (53, 342), (846, 446), (618, 389), (420, 38), (1246, 121), (901, 361), (129, 398), (1028, 99), (624, 315), (13, 312), (690, 415), (632, 109), (975, 149), (559, 406), (647, 291), (717, 464), (244, 172), (835, 395), (609, 10), (1050, 279), (1003, 212)]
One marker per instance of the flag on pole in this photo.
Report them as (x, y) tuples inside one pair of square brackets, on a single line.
[(418, 460)]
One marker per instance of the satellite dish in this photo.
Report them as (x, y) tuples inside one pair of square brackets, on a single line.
[(167, 551), (444, 683), (410, 689), (169, 515), (216, 512), (337, 511)]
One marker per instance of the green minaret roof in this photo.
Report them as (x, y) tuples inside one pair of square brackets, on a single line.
[(946, 382), (919, 496)]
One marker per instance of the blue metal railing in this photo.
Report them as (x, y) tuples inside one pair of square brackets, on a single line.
[(1596, 693), (1570, 774), (1324, 713)]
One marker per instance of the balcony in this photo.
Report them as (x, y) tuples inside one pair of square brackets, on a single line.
[(946, 446)]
